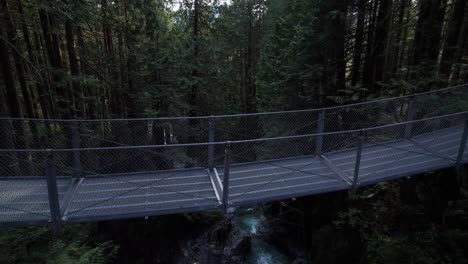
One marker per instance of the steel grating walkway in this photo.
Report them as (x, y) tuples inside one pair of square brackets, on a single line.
[(116, 196)]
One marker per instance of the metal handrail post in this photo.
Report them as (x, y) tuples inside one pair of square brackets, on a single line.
[(52, 191), (358, 160), (76, 151), (411, 115), (211, 138), (227, 164), (461, 149), (320, 129)]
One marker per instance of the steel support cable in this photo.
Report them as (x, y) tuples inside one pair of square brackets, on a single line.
[(283, 134), (237, 141), (358, 122), (142, 151), (240, 141), (93, 173), (243, 152), (249, 114)]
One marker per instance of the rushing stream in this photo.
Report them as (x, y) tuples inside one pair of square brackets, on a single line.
[(261, 252)]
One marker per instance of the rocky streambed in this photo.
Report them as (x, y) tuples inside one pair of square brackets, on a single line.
[(244, 236)]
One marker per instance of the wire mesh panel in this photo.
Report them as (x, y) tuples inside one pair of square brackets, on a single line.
[(23, 200), (284, 168), (24, 196), (142, 132), (265, 125), (43, 134), (142, 181), (442, 136), (123, 168), (366, 115), (444, 102)]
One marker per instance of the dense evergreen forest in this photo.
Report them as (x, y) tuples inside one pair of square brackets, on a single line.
[(149, 58), (105, 58)]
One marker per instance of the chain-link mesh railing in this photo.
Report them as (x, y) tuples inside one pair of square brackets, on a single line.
[(103, 169), (43, 134)]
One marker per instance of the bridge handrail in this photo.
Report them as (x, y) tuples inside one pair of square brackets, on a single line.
[(242, 115), (465, 113)]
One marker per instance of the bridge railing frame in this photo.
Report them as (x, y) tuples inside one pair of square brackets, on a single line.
[(102, 132), (76, 151)]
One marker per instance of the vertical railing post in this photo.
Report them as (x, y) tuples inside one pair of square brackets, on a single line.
[(227, 164), (461, 149), (76, 151), (52, 192), (211, 138), (358, 160), (410, 117), (320, 129)]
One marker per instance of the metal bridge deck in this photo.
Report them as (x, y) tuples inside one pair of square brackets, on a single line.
[(115, 196)]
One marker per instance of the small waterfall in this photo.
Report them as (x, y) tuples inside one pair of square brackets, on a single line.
[(261, 252)]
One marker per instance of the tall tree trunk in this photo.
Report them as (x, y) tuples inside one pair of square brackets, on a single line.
[(358, 43), (368, 72), (74, 69), (194, 111), (380, 48), (249, 61), (427, 37), (452, 43), (12, 98), (378, 45), (332, 58), (460, 53), (51, 37), (398, 46), (43, 92), (20, 164), (13, 39), (27, 39)]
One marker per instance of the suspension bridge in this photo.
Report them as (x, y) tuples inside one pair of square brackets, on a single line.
[(60, 171)]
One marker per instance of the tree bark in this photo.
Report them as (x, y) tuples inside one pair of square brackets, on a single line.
[(358, 43), (398, 46), (452, 44), (74, 69), (427, 37), (51, 37), (379, 36), (13, 40)]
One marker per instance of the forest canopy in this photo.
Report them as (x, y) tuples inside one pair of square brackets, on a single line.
[(121, 58)]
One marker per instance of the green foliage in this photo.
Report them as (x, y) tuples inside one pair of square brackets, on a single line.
[(61, 252), (39, 245), (374, 210), (397, 250)]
